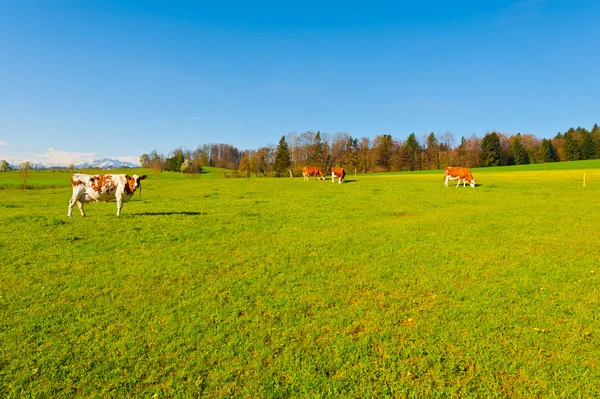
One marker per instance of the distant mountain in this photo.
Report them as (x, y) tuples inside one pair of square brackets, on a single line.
[(104, 163)]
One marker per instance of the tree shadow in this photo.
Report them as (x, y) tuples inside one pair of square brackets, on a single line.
[(184, 213)]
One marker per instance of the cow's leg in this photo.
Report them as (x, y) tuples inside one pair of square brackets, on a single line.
[(446, 180), (458, 184), (119, 205), (71, 203), (332, 177), (75, 199), (80, 205)]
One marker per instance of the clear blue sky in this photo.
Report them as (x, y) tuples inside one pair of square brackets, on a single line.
[(93, 79)]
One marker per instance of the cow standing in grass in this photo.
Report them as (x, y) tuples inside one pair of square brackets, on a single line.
[(340, 173), (313, 171), (459, 174), (88, 188)]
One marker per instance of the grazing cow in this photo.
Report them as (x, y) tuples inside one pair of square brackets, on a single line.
[(314, 172), (459, 174), (340, 173), (88, 188)]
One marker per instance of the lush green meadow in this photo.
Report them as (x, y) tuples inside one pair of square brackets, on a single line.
[(390, 285)]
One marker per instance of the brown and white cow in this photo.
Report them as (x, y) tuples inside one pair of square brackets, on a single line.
[(88, 188), (340, 173), (459, 174), (313, 171)]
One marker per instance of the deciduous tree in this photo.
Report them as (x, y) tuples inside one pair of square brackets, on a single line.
[(25, 173), (4, 166)]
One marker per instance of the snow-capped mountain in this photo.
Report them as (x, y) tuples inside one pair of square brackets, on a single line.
[(104, 163)]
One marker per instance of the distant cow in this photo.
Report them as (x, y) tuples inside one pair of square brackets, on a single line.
[(88, 188), (459, 174), (314, 172), (340, 173)]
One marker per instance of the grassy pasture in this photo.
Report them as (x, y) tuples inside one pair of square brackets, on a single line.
[(389, 286)]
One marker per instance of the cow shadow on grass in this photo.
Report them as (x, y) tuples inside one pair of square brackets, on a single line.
[(181, 213)]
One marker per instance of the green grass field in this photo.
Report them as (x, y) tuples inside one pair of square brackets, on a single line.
[(390, 285)]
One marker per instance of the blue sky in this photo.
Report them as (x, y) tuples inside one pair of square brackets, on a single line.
[(89, 79)]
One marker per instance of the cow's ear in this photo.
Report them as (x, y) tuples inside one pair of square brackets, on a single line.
[(143, 177)]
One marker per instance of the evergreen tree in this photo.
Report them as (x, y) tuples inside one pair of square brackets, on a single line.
[(490, 150), (519, 155), (352, 153), (413, 151), (572, 151), (174, 163), (596, 136), (317, 157), (588, 146), (385, 144), (548, 151), (282, 159), (432, 155), (461, 152)]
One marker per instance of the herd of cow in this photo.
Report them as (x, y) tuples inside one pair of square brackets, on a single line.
[(450, 173), (88, 188), (317, 173)]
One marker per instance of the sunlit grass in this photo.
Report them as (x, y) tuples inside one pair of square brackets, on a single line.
[(391, 285)]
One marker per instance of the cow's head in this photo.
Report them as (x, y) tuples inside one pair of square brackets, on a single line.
[(137, 179), (133, 182), (473, 183)]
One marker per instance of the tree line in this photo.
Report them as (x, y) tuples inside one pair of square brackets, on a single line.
[(383, 153)]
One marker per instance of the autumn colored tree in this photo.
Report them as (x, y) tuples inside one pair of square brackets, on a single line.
[(245, 164)]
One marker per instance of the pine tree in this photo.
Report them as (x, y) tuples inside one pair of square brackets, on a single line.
[(519, 154), (596, 136), (490, 150), (352, 153), (282, 159), (572, 151), (548, 151), (317, 157), (385, 144), (413, 150), (461, 152), (588, 146), (432, 154)]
